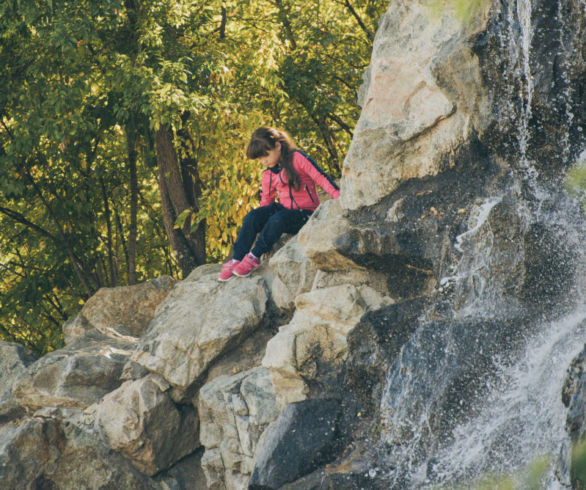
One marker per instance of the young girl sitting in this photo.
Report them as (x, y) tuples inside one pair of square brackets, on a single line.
[(291, 176)]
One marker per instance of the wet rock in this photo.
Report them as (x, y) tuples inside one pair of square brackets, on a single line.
[(442, 369), (304, 436), (234, 411), (121, 311), (143, 424), (198, 322), (375, 343), (574, 397)]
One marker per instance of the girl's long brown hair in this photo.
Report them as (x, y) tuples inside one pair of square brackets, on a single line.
[(265, 139)]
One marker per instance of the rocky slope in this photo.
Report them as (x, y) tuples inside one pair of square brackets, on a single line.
[(353, 356)]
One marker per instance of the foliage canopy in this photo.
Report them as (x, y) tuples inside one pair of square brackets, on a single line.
[(122, 130)]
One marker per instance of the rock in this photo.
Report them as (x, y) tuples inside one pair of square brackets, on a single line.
[(571, 461), (143, 424), (50, 453), (203, 270), (319, 234), (574, 397), (294, 274), (14, 359), (306, 356), (75, 376), (198, 322), (304, 436), (185, 475), (374, 344), (248, 355), (409, 118), (234, 411), (121, 311)]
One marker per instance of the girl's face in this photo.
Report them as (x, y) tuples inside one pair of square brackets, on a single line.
[(272, 157)]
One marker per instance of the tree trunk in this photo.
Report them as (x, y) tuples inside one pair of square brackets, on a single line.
[(175, 200), (133, 231)]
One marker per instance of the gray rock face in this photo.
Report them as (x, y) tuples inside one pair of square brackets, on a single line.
[(119, 312), (196, 323), (294, 273), (574, 397), (50, 453), (75, 376), (143, 424), (234, 411), (304, 437), (14, 359), (306, 356)]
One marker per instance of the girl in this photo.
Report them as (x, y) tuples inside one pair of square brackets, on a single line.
[(291, 176)]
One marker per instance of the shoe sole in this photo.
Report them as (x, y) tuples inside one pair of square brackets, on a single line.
[(242, 275), (225, 280)]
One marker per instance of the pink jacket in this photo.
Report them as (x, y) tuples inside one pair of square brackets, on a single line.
[(306, 198)]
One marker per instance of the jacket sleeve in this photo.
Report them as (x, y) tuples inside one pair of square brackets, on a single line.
[(309, 167), (268, 189)]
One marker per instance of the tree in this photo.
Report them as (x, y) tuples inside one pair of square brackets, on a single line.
[(122, 130)]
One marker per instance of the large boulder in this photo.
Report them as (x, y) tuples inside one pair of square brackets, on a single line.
[(305, 436), (75, 376), (14, 359), (53, 452), (121, 311), (294, 274), (143, 424), (197, 323), (234, 411), (306, 356), (319, 234), (410, 116)]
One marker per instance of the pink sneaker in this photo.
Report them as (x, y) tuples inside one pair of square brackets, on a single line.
[(228, 270), (246, 266)]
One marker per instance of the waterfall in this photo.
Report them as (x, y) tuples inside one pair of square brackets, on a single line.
[(457, 404), (523, 419), (526, 88)]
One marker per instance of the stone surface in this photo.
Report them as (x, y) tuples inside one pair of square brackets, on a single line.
[(304, 437), (294, 274), (14, 359), (197, 322), (374, 344), (185, 475), (234, 411), (306, 356), (410, 118), (119, 312), (75, 376), (47, 452), (574, 397), (319, 234), (143, 424)]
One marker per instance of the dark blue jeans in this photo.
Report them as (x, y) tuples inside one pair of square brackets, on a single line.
[(269, 223)]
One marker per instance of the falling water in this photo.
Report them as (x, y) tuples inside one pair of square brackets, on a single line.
[(523, 419), (518, 416)]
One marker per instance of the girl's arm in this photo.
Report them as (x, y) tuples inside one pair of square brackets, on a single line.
[(268, 189), (308, 166)]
